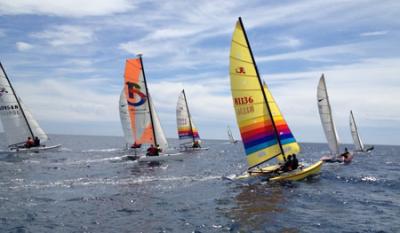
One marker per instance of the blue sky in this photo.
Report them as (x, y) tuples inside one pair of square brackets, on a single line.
[(66, 60)]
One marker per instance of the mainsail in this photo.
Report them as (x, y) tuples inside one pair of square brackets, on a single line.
[(289, 144), (325, 113), (187, 131), (354, 133), (139, 120), (230, 136), (17, 121), (253, 113)]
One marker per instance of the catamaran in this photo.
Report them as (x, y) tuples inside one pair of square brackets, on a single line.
[(265, 134), (358, 144), (17, 121), (230, 136), (140, 123), (325, 113), (189, 138)]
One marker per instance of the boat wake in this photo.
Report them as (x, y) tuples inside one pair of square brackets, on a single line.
[(84, 181), (107, 150)]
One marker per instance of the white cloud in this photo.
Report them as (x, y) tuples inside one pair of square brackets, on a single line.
[(66, 35), (291, 42), (65, 8), (375, 33), (23, 46)]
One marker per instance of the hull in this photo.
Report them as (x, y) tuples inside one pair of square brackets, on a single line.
[(162, 157), (32, 150), (299, 174), (334, 159), (186, 149)]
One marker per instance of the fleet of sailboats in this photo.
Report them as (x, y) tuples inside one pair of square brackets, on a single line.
[(263, 130), (267, 139), (18, 123)]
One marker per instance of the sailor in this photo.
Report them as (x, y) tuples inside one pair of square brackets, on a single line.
[(196, 144), (159, 150), (135, 145), (29, 143), (346, 154), (295, 162), (288, 165), (36, 142), (152, 151)]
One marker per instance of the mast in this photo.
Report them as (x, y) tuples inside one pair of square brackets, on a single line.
[(19, 104), (148, 101), (190, 118), (262, 90)]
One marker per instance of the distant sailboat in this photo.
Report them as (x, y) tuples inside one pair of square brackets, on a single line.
[(263, 130), (325, 113), (358, 144), (140, 123), (17, 121), (189, 138), (230, 136)]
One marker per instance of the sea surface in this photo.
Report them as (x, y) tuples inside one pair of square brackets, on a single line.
[(88, 186)]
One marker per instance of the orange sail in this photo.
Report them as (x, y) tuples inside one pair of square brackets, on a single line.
[(136, 96)]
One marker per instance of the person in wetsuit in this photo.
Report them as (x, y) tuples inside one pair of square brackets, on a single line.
[(152, 151), (36, 142)]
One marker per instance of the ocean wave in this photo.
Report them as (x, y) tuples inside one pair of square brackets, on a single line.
[(107, 150)]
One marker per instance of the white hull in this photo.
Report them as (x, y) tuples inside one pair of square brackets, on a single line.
[(186, 149), (162, 157), (32, 149)]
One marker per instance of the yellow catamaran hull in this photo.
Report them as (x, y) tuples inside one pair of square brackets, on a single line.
[(271, 171)]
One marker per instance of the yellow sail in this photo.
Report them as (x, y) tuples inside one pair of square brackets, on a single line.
[(288, 142), (252, 113)]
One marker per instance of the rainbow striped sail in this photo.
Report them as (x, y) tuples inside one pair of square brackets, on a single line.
[(288, 142), (187, 131), (253, 115)]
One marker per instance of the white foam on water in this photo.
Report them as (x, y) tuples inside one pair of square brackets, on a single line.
[(107, 150), (369, 178)]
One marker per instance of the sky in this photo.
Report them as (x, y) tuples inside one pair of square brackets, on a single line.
[(66, 60)]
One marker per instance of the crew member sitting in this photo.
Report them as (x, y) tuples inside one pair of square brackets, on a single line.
[(36, 142), (295, 162), (159, 148), (135, 145), (196, 144), (152, 151), (288, 165), (345, 155), (29, 143)]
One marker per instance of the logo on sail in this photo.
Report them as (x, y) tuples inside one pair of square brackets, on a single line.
[(240, 70), (2, 91), (135, 96)]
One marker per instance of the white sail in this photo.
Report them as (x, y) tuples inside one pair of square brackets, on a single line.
[(160, 135), (125, 119), (16, 121), (36, 129), (325, 113), (354, 133), (230, 136)]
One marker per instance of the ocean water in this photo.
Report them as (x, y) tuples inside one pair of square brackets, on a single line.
[(89, 187)]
